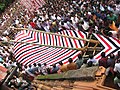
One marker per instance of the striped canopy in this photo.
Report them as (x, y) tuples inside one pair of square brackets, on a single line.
[(37, 47), (32, 5), (34, 51)]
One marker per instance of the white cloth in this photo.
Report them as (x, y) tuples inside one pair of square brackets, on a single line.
[(1, 65), (102, 8), (117, 67), (85, 26), (4, 39), (16, 21), (93, 60)]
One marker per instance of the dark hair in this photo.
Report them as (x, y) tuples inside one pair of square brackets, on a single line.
[(35, 64), (118, 53), (70, 60), (110, 34), (39, 64), (54, 65), (91, 56), (62, 23), (61, 63), (90, 64), (85, 61), (112, 56), (103, 54), (118, 61), (79, 55), (45, 64), (30, 65), (25, 66), (82, 22)]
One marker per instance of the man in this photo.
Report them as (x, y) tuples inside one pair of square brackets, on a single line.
[(117, 56), (118, 34), (71, 65), (44, 69), (54, 69), (63, 67), (79, 61), (117, 70), (110, 64), (92, 59), (103, 60)]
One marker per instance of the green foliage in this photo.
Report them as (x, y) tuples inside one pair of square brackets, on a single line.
[(50, 76), (2, 6)]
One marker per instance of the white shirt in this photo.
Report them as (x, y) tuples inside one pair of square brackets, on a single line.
[(6, 32), (117, 67), (93, 60), (85, 26), (5, 39), (1, 65), (16, 21)]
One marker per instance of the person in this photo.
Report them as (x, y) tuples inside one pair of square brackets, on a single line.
[(54, 69), (29, 66), (110, 64), (14, 82), (92, 59), (63, 67), (71, 65), (1, 64), (84, 65), (79, 61), (103, 60), (117, 56), (40, 69), (90, 64), (117, 70), (1, 58), (34, 65), (32, 71), (44, 69), (118, 34)]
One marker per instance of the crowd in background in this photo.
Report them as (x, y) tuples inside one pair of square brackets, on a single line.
[(98, 16)]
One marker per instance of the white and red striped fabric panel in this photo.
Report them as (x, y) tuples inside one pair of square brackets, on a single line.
[(111, 45), (31, 53), (52, 40), (32, 5), (77, 34)]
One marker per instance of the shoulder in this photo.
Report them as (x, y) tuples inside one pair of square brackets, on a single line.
[(117, 65)]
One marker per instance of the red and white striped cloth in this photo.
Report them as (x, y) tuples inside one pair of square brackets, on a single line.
[(32, 5), (31, 53)]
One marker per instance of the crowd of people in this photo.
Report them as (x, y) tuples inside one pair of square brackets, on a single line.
[(110, 62), (98, 16)]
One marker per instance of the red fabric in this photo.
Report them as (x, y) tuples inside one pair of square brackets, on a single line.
[(103, 62), (33, 24)]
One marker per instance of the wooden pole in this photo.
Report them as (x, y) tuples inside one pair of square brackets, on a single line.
[(92, 41), (95, 49), (13, 41)]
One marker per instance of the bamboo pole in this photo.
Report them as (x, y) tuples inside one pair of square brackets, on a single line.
[(92, 41), (87, 45), (22, 42), (13, 41), (95, 49)]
